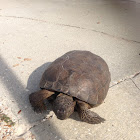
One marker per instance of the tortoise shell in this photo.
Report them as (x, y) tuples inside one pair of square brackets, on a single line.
[(80, 74)]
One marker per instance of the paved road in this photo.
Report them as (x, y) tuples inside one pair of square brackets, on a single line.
[(33, 34)]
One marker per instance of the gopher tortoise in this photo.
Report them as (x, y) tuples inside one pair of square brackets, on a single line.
[(76, 81)]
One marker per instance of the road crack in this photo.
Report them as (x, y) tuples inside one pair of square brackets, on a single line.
[(135, 84), (125, 79), (73, 26)]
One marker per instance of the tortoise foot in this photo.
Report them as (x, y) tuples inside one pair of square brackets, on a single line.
[(37, 100), (91, 117), (86, 115)]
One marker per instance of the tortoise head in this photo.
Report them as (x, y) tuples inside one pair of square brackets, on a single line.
[(63, 106)]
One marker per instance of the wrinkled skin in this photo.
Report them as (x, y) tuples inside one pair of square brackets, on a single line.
[(63, 106)]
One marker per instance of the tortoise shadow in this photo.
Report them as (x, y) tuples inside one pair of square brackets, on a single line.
[(35, 76), (75, 116), (33, 83)]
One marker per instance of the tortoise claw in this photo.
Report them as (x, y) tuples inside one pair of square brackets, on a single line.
[(91, 117), (39, 109), (97, 120)]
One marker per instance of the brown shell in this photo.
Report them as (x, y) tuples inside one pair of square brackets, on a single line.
[(80, 74)]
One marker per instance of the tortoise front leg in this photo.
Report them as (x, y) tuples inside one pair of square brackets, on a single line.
[(37, 100), (86, 115)]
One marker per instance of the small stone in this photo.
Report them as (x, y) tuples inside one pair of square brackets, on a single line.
[(33, 136), (20, 129), (8, 130)]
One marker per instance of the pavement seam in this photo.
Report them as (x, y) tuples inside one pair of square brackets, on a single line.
[(38, 123), (134, 83), (34, 125), (73, 26), (134, 1), (125, 79), (122, 80)]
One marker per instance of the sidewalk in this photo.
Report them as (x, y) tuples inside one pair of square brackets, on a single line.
[(33, 34)]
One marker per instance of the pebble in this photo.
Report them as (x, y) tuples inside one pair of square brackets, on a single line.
[(20, 129), (108, 130)]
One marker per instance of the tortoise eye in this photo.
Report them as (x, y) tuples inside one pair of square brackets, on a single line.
[(61, 111)]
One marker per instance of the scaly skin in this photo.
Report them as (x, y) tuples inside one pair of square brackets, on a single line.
[(86, 115), (63, 106), (37, 100)]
